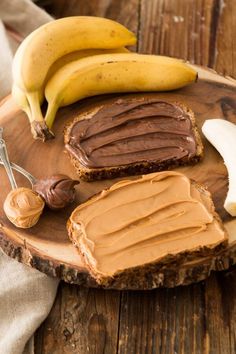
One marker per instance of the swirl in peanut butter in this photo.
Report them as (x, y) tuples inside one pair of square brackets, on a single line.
[(23, 207), (131, 131), (141, 221)]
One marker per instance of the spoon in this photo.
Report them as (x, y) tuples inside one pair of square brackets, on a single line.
[(6, 162), (28, 175), (21, 170), (14, 166), (22, 206)]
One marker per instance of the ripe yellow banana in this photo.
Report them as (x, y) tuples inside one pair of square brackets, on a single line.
[(20, 96), (127, 72), (79, 54), (47, 44)]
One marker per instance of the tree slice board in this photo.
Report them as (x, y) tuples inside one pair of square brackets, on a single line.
[(46, 246)]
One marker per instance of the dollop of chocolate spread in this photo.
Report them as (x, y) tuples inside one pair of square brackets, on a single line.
[(58, 190), (130, 131)]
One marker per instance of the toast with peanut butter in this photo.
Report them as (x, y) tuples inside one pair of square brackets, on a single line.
[(132, 135), (129, 233)]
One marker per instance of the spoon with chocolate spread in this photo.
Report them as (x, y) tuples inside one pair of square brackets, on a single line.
[(57, 191)]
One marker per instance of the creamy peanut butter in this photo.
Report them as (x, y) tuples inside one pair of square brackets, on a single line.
[(141, 221), (23, 207)]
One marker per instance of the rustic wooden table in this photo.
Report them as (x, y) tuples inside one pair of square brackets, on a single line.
[(200, 318)]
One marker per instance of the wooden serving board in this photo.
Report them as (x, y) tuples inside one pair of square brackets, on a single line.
[(46, 246)]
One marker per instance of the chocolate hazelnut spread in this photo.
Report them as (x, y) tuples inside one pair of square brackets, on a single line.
[(23, 207), (58, 191), (131, 131), (142, 221)]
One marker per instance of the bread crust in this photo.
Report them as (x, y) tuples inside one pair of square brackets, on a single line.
[(150, 275), (93, 174)]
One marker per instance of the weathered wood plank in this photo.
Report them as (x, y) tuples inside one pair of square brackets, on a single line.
[(225, 54), (220, 294), (181, 29), (220, 305), (164, 321), (81, 321)]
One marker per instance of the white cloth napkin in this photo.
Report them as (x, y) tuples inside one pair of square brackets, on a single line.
[(26, 295)]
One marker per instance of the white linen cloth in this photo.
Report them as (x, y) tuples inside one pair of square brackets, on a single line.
[(26, 295)]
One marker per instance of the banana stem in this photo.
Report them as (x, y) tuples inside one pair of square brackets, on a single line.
[(33, 99), (28, 112), (39, 128), (21, 100), (51, 114)]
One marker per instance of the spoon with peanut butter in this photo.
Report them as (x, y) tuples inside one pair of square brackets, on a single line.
[(22, 206)]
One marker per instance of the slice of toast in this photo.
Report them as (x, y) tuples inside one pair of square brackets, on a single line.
[(131, 136), (129, 233)]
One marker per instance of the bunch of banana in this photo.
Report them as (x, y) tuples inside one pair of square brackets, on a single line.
[(106, 73), (52, 46), (20, 95)]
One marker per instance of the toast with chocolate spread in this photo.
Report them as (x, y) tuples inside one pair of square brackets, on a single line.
[(137, 232), (130, 136)]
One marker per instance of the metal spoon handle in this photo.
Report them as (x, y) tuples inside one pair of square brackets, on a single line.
[(28, 175), (21, 170), (6, 163)]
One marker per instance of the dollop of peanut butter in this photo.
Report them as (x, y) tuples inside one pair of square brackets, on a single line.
[(23, 207)]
